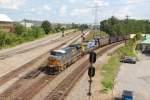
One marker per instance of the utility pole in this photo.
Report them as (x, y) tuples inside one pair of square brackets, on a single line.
[(127, 18)]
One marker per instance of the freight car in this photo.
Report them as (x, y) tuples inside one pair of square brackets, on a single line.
[(112, 40), (120, 38), (126, 37), (104, 41), (62, 58)]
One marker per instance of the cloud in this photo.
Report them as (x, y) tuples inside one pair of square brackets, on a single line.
[(122, 12), (72, 1), (40, 9), (97, 2), (11, 4), (46, 7), (63, 10), (134, 1), (80, 12)]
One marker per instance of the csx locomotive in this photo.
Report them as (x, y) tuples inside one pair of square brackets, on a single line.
[(60, 59)]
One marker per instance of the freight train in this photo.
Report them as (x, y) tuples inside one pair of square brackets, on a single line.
[(60, 59)]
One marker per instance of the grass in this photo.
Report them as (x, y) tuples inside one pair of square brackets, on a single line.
[(110, 70)]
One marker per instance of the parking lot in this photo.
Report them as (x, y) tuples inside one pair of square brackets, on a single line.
[(136, 78)]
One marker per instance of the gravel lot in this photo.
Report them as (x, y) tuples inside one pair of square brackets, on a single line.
[(135, 77)]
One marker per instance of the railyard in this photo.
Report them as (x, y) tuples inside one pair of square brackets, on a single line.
[(27, 81), (74, 50)]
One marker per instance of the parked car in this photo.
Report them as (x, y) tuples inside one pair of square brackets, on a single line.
[(127, 95), (131, 60)]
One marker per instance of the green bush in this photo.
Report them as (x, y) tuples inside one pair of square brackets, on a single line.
[(22, 35), (29, 34), (18, 28)]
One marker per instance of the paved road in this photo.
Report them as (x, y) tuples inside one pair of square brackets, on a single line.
[(135, 77)]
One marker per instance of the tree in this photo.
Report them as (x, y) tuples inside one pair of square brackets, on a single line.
[(18, 28), (115, 27), (74, 26), (138, 36), (46, 25), (62, 30), (58, 27), (83, 27)]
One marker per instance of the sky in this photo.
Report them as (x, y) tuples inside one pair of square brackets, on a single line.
[(76, 11)]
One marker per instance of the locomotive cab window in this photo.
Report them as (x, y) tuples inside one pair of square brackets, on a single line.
[(57, 53)]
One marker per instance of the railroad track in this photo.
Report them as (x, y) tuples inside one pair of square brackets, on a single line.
[(62, 90), (25, 90), (21, 69), (31, 81), (20, 51)]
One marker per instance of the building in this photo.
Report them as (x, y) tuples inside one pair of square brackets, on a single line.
[(143, 35), (6, 23), (30, 23), (145, 44)]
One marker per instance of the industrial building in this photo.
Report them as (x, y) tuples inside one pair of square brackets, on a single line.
[(145, 44), (30, 23)]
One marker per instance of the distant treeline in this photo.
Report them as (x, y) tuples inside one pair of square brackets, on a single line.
[(114, 26)]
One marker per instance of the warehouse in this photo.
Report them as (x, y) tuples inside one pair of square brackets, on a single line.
[(6, 23)]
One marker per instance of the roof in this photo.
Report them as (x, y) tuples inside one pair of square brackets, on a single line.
[(147, 41), (35, 22), (147, 36), (5, 18), (61, 51)]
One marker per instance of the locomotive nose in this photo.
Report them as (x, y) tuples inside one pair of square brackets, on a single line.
[(53, 61)]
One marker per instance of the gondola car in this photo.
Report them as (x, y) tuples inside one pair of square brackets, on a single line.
[(112, 40), (126, 37), (104, 41), (120, 38)]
